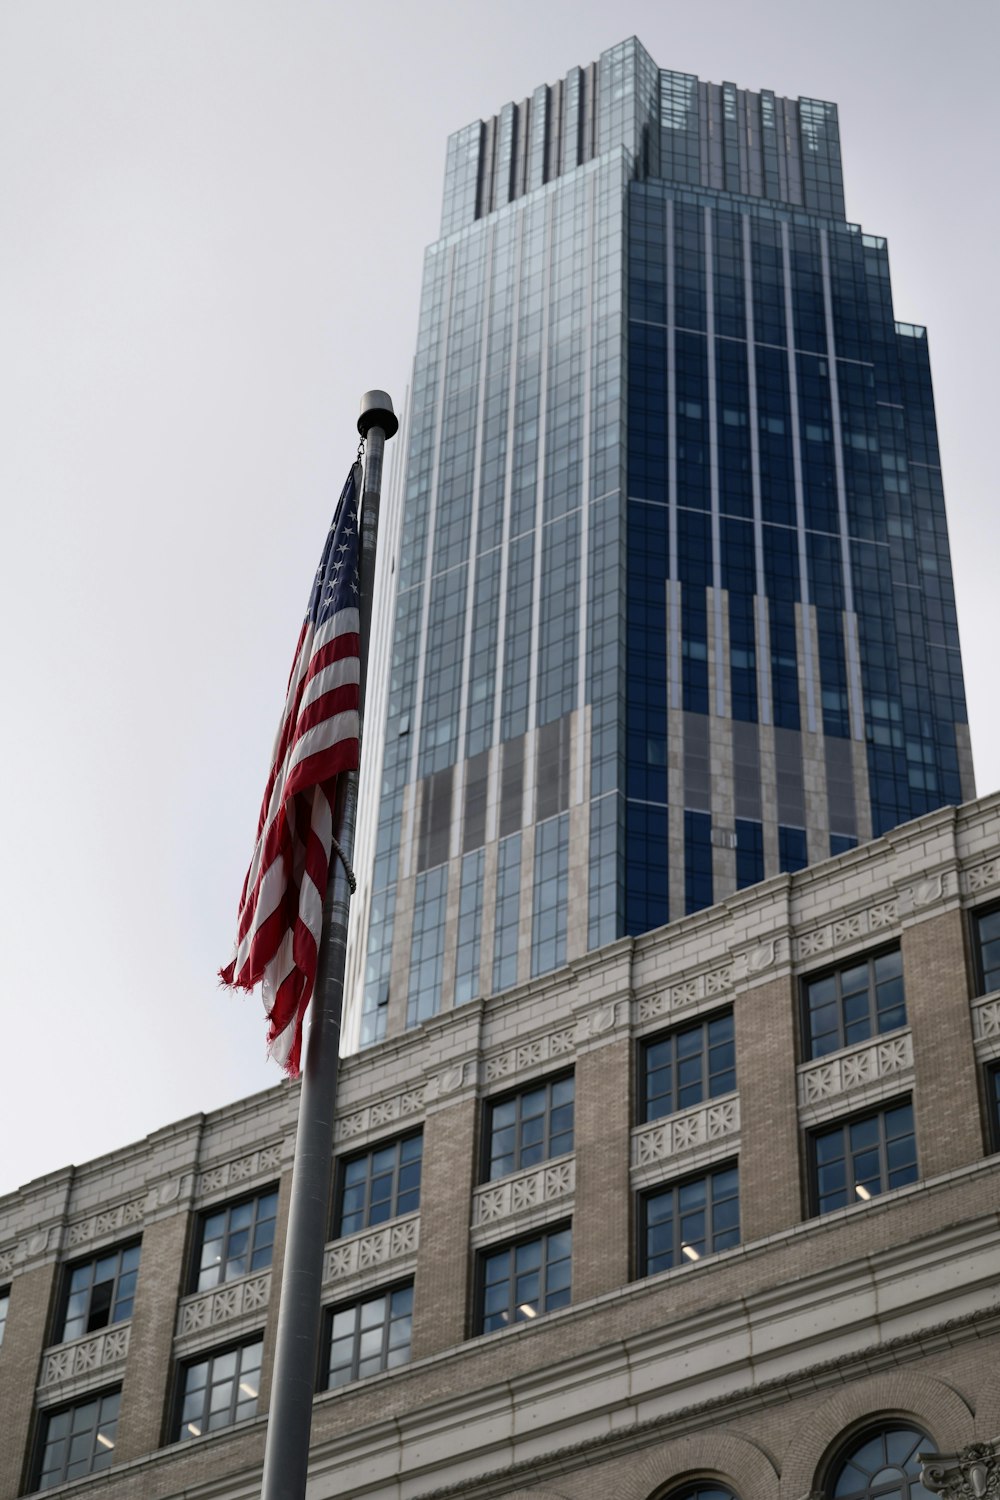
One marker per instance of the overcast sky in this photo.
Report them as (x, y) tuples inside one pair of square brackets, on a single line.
[(212, 218)]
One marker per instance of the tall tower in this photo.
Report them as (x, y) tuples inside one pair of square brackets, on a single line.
[(674, 608)]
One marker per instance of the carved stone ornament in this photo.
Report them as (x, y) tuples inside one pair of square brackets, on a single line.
[(972, 1474)]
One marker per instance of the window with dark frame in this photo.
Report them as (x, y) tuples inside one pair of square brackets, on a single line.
[(234, 1240), (846, 1006), (4, 1305), (219, 1389), (993, 1103), (702, 1489), (369, 1335), (77, 1440), (884, 1462), (528, 1127), (519, 1281), (986, 936), (98, 1292), (684, 1067), (687, 1220), (862, 1157), (379, 1185)]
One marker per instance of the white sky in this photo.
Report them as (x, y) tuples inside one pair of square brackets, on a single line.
[(212, 218)]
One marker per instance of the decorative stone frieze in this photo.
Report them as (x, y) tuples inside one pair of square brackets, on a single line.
[(543, 1049), (972, 1474), (83, 1356), (399, 1107), (250, 1294), (854, 1069), (242, 1169), (522, 1191), (372, 1249), (687, 1131), (982, 877), (712, 984), (986, 1025), (108, 1221)]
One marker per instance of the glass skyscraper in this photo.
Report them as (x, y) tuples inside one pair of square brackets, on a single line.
[(674, 608)]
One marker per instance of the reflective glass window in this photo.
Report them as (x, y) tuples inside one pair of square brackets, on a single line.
[(882, 1465), (846, 1006), (369, 1335), (519, 1281), (99, 1292), (380, 1184), (684, 1067), (529, 1127), (219, 1389), (858, 1159), (235, 1239), (78, 1440), (688, 1220)]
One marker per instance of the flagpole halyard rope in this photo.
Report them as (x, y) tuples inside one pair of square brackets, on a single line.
[(338, 851)]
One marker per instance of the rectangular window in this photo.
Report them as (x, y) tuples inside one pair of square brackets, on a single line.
[(687, 1066), (380, 1184), (234, 1240), (219, 1390), (370, 1335), (861, 1158), (99, 1292), (519, 1281), (529, 1127), (992, 1105), (4, 1305), (78, 1440), (986, 930), (844, 1007), (690, 1219)]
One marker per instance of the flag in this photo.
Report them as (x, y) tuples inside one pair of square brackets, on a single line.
[(281, 910)]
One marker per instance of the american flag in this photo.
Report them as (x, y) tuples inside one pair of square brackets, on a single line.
[(281, 909)]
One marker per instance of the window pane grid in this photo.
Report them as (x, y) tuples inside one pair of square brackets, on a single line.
[(688, 1066), (236, 1239), (988, 950), (369, 1336), (100, 1292), (687, 1220), (849, 1005), (530, 1127), (79, 1439), (380, 1185), (860, 1159), (220, 1390), (520, 1281)]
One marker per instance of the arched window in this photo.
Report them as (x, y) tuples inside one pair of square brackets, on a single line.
[(702, 1489), (881, 1465)]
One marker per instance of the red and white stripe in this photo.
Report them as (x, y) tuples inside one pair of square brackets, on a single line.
[(281, 909)]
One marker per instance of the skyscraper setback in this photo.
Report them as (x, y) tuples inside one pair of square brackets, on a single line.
[(674, 608)]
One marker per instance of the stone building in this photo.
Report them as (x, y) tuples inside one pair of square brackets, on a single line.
[(710, 1212)]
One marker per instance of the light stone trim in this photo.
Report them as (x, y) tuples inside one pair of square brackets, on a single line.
[(553, 1046), (981, 877), (240, 1170), (683, 1135), (81, 1357), (394, 1246), (405, 1106), (234, 1299), (887, 1062), (512, 1196), (986, 1025), (852, 928), (108, 1221), (695, 991)]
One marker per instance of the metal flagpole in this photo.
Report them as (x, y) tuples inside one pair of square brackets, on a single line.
[(293, 1382)]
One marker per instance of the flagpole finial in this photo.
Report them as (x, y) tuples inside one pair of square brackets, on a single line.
[(376, 411)]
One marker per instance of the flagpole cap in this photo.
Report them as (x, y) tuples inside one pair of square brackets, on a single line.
[(376, 411)]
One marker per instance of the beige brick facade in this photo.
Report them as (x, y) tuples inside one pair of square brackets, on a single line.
[(748, 1366)]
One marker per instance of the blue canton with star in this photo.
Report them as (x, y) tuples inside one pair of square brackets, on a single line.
[(336, 585)]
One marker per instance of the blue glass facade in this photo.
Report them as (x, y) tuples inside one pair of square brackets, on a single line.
[(674, 607)]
